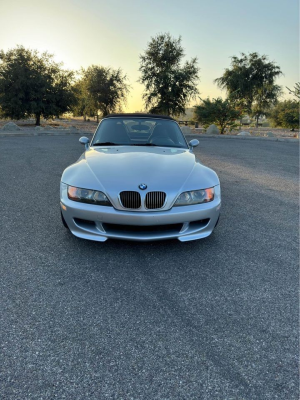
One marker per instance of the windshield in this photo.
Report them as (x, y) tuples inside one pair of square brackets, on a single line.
[(139, 132)]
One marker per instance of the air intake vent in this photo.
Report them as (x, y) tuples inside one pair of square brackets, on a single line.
[(155, 200), (130, 199)]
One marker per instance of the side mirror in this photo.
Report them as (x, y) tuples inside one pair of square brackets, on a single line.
[(193, 143), (84, 140)]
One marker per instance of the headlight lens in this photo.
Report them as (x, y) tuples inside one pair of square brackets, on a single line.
[(195, 197), (88, 196)]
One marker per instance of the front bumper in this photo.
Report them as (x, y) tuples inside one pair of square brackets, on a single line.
[(99, 223)]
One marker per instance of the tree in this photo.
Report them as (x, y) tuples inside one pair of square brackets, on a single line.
[(107, 87), (251, 81), (266, 98), (217, 111), (286, 114), (86, 105), (33, 84), (169, 86), (296, 91)]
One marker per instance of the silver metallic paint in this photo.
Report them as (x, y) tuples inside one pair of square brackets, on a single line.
[(112, 169)]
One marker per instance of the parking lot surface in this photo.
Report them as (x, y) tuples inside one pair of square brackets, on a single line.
[(210, 319)]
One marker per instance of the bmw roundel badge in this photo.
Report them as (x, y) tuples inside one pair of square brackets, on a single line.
[(143, 186)]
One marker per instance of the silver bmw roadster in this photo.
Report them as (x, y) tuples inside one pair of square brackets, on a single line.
[(139, 179)]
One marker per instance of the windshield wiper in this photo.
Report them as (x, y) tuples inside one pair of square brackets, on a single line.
[(107, 144)]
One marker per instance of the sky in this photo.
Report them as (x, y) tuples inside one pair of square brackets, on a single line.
[(115, 32)]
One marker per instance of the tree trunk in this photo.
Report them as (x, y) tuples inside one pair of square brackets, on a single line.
[(257, 117), (37, 119)]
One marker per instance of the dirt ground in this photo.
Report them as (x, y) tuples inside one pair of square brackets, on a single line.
[(29, 124), (90, 126), (262, 131)]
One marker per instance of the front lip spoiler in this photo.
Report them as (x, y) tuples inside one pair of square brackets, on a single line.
[(184, 238), (103, 236), (187, 229), (101, 214)]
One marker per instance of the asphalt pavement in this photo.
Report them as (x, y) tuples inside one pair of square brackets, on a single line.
[(210, 319)]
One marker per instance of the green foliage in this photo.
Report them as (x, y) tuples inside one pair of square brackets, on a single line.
[(266, 98), (169, 86), (251, 82), (286, 114), (86, 105), (219, 112), (106, 88), (33, 84), (296, 90)]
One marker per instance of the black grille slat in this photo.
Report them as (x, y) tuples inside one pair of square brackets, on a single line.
[(130, 200), (155, 200)]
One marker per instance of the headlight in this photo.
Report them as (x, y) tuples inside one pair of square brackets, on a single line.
[(195, 197), (88, 196)]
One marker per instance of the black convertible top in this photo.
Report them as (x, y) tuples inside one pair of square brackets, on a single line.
[(137, 115)]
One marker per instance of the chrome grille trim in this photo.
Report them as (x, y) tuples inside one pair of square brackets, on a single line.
[(131, 200), (155, 200)]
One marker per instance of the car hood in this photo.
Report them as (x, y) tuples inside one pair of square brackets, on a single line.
[(121, 168)]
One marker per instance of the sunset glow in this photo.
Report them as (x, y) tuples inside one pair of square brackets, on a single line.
[(115, 33)]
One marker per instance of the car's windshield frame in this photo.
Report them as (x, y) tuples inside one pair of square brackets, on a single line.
[(107, 144)]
